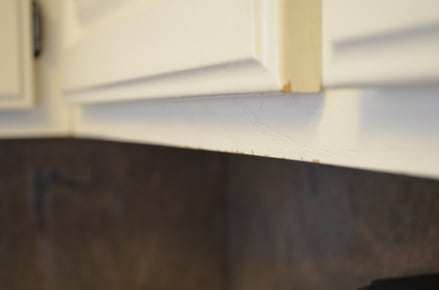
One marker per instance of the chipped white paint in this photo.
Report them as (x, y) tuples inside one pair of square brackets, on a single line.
[(393, 130), (387, 129), (368, 126)]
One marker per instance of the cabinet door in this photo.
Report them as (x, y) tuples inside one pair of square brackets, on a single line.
[(16, 84), (167, 48), (380, 42)]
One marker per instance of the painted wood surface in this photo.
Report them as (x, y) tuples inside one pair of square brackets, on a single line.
[(390, 128), (16, 55), (394, 130), (386, 43), (156, 49), (376, 125), (48, 117)]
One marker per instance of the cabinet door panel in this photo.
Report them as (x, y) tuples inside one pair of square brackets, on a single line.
[(380, 42), (168, 48), (15, 54)]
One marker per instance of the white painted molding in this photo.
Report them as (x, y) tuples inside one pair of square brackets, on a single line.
[(391, 130), (16, 55), (385, 42), (169, 48), (386, 129)]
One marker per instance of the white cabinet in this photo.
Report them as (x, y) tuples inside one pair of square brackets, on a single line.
[(380, 42), (168, 48), (28, 110), (352, 84), (16, 69)]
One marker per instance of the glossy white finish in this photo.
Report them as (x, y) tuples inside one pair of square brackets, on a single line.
[(392, 130), (380, 42), (16, 63), (169, 48)]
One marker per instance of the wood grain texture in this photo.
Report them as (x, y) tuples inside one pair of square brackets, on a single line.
[(302, 226), (114, 217), (21, 258), (109, 215)]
